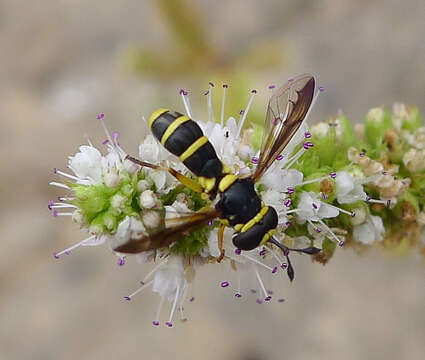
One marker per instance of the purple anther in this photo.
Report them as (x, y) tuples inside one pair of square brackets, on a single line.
[(324, 196), (286, 252), (224, 284), (259, 301), (51, 203), (183, 92), (169, 324), (274, 270), (341, 243), (121, 261), (279, 157), (284, 265), (275, 121), (253, 291), (314, 206), (142, 282), (238, 295), (318, 230), (291, 79), (238, 251), (288, 223), (287, 202), (55, 213), (55, 170), (268, 298), (307, 135), (384, 173), (254, 160), (210, 222), (105, 142), (272, 87), (156, 323), (115, 135), (206, 92), (192, 299), (305, 146), (253, 91), (333, 174), (368, 198), (56, 256), (128, 298), (225, 86), (67, 252), (321, 88), (388, 203), (281, 300), (211, 84), (291, 190), (241, 112), (262, 252), (309, 144), (353, 214), (100, 116)]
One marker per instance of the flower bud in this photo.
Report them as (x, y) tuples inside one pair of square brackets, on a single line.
[(377, 121), (130, 166), (147, 199), (143, 185), (359, 217), (118, 201), (111, 179), (152, 219)]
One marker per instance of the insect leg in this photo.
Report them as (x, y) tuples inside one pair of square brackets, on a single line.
[(191, 184), (220, 242)]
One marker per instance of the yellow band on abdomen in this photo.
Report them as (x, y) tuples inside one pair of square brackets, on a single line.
[(173, 127), (226, 182), (155, 115), (192, 148)]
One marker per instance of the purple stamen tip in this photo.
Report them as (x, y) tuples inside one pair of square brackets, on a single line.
[(238, 251), (274, 270), (128, 298), (321, 88), (384, 173), (288, 223), (206, 92), (121, 261), (291, 190), (241, 112), (192, 299), (353, 214), (388, 203), (287, 202), (318, 230), (169, 324), (210, 222), (211, 84), (314, 206), (259, 301), (115, 135), (279, 157), (67, 252), (332, 175), (253, 91), (268, 298), (368, 198), (225, 86), (105, 142), (324, 196), (281, 300), (254, 160), (272, 86), (100, 116), (238, 295), (284, 265), (262, 252), (142, 282), (307, 135), (55, 213), (156, 323), (56, 256), (291, 79), (305, 146), (224, 284), (341, 243), (309, 144), (55, 170)]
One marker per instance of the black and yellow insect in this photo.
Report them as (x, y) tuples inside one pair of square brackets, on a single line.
[(238, 205)]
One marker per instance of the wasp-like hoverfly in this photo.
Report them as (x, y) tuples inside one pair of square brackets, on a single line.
[(238, 204)]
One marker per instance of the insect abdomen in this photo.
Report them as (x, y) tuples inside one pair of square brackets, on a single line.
[(184, 138)]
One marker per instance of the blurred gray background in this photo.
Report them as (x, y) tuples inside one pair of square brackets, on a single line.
[(62, 62)]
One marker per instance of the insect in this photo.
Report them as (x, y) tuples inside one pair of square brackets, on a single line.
[(237, 203)]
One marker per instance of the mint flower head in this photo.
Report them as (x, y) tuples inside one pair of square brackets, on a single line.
[(328, 187)]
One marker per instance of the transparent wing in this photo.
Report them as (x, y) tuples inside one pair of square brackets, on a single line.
[(172, 230), (286, 111)]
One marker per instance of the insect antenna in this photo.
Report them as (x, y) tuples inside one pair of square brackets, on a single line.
[(311, 250)]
